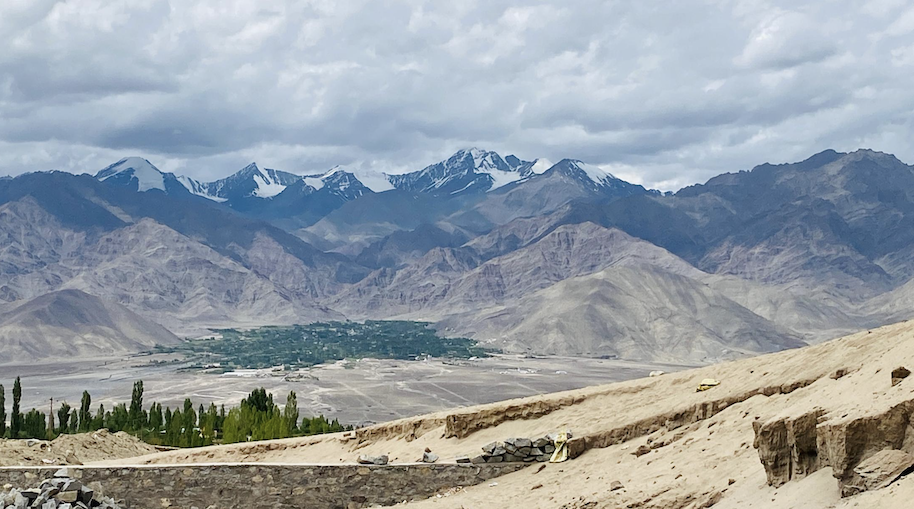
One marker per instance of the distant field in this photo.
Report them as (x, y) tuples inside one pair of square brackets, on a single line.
[(355, 392), (308, 345)]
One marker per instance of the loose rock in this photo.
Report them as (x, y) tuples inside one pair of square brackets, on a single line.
[(641, 451), (60, 492), (364, 459)]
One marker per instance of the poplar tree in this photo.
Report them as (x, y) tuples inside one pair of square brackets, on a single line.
[(16, 417), (2, 411), (290, 412), (63, 418), (85, 414), (136, 419)]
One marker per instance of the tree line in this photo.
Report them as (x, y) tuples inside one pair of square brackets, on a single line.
[(257, 418)]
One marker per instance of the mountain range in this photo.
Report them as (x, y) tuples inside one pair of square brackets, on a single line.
[(528, 257)]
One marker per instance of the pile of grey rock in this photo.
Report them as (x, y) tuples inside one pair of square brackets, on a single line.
[(59, 492), (525, 450)]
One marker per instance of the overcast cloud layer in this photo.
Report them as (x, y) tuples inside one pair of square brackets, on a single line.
[(660, 93)]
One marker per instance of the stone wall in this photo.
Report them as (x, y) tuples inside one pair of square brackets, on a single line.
[(219, 486)]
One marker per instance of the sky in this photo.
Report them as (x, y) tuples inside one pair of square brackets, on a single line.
[(664, 94)]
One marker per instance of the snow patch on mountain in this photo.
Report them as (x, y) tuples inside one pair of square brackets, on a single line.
[(375, 181), (148, 176), (492, 164), (594, 173), (266, 187), (540, 166), (315, 181), (318, 181), (197, 188), (468, 170)]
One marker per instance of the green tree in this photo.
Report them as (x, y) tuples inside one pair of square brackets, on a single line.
[(236, 426), (85, 413), (190, 434), (155, 417), (63, 418), (174, 435), (290, 412), (136, 418), (34, 425), (116, 420), (259, 400), (74, 422), (2, 411), (190, 418), (16, 417), (98, 422)]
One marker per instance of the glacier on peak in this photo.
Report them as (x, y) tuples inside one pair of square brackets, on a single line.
[(146, 174)]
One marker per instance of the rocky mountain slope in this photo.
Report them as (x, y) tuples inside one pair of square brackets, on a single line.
[(632, 312), (580, 290), (185, 281), (486, 246), (70, 324)]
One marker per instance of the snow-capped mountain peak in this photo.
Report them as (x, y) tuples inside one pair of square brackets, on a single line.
[(338, 181), (595, 178), (593, 172), (249, 182), (147, 176), (468, 170)]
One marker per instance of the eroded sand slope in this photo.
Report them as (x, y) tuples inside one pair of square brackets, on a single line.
[(701, 443)]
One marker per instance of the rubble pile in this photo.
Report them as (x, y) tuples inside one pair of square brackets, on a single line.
[(59, 492), (525, 450)]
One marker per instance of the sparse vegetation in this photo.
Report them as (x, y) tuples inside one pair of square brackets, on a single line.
[(258, 418), (307, 345)]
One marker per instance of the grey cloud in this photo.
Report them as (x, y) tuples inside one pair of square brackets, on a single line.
[(668, 93)]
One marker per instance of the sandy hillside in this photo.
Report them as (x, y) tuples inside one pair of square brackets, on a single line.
[(702, 442), (72, 449)]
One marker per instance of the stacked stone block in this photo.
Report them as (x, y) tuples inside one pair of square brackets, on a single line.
[(518, 450)]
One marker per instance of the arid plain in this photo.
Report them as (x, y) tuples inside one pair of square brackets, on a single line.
[(353, 391)]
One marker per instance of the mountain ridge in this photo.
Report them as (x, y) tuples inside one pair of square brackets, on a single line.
[(795, 250)]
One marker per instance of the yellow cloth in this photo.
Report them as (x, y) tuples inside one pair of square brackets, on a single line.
[(706, 384), (561, 449)]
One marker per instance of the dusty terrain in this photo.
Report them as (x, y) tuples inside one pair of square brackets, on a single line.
[(72, 449), (700, 444), (355, 392)]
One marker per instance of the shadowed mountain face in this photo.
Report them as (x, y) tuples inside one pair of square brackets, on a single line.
[(183, 261), (567, 259), (834, 219), (71, 324)]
